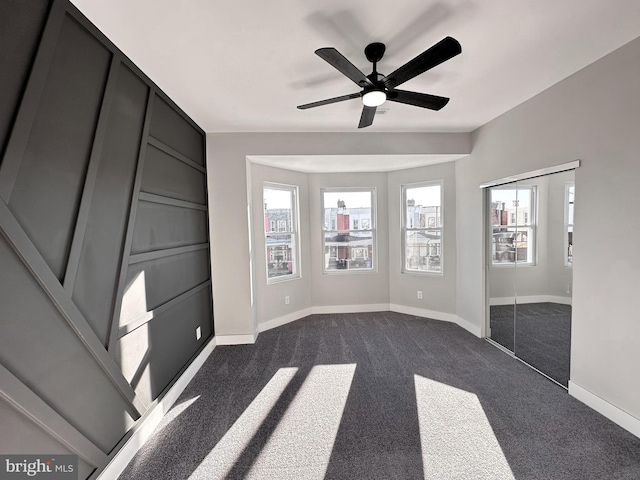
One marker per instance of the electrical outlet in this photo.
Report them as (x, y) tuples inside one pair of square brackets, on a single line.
[(198, 333), (287, 300), (419, 294)]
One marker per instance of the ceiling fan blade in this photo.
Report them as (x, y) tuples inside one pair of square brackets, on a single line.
[(424, 100), (329, 101), (366, 118), (344, 66), (442, 51)]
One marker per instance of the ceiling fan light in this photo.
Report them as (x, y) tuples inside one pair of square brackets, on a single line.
[(374, 98)]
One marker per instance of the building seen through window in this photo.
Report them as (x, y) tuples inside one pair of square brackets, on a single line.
[(570, 191), (513, 227), (349, 229), (422, 228), (281, 230)]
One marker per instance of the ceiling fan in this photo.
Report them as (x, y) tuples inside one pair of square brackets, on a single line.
[(377, 88)]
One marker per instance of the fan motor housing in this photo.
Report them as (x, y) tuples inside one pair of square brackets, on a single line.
[(374, 51)]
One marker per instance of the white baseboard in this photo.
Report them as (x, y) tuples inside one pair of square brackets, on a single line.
[(446, 317), (279, 321), (600, 405), (530, 299), (470, 327), (147, 424), (372, 307), (292, 317), (235, 339), (376, 307), (423, 312)]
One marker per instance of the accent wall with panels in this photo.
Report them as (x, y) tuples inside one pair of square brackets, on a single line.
[(105, 289)]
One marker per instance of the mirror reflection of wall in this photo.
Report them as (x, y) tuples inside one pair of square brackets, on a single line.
[(530, 270)]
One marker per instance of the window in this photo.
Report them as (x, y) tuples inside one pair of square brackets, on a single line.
[(513, 240), (422, 228), (348, 236), (569, 196), (281, 231)]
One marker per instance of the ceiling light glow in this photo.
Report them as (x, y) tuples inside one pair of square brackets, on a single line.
[(374, 98)]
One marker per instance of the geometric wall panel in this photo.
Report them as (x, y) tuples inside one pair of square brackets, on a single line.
[(20, 23), (95, 285), (102, 183), (166, 226), (152, 283), (172, 129), (49, 184), (168, 176)]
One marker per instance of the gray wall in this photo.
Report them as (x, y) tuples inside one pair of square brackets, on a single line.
[(354, 288), (103, 237), (439, 291), (229, 198), (387, 284), (592, 116), (269, 298)]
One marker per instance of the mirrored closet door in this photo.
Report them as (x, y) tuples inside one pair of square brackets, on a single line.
[(530, 258)]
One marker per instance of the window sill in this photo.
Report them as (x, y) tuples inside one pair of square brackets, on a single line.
[(282, 279), (422, 273)]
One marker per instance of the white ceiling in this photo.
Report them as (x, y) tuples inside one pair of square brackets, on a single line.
[(243, 66), (354, 163)]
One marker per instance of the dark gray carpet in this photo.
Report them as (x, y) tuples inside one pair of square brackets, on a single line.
[(542, 333), (379, 396)]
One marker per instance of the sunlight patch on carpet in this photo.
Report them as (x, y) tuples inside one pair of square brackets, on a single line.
[(224, 455), (456, 438), (301, 444)]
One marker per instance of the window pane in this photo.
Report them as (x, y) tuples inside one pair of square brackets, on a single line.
[(348, 199), (570, 198), (280, 255), (278, 212), (347, 210), (423, 250), (423, 209), (510, 206), (503, 248), (347, 251), (511, 244)]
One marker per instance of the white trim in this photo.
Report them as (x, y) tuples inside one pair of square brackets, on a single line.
[(530, 299), (535, 173), (147, 424), (292, 317), (470, 327), (288, 318), (422, 312), (236, 339), (373, 307), (600, 405)]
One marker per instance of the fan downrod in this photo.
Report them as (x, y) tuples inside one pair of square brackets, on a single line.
[(374, 51)]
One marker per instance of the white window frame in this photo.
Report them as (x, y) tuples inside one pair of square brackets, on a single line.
[(567, 224), (436, 228), (531, 225), (294, 229), (324, 229)]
